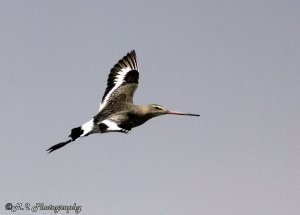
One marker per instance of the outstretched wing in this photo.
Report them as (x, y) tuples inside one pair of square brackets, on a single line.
[(109, 125), (123, 79)]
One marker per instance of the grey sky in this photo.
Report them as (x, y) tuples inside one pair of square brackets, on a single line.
[(234, 62)]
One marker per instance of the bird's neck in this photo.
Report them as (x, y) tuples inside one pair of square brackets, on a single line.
[(143, 112), (138, 115)]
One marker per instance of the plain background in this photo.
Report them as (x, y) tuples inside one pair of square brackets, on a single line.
[(234, 62)]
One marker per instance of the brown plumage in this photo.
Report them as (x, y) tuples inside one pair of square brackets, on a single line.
[(117, 113)]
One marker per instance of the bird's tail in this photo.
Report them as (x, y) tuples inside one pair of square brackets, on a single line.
[(75, 134), (59, 145)]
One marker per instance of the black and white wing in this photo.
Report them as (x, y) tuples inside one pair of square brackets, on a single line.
[(122, 80), (109, 125)]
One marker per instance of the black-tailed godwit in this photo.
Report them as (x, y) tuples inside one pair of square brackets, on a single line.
[(117, 113)]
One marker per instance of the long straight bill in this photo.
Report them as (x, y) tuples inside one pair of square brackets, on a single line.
[(180, 113)]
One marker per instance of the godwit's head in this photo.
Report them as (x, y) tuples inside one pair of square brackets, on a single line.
[(158, 110)]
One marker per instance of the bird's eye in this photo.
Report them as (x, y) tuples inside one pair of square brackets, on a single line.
[(158, 108)]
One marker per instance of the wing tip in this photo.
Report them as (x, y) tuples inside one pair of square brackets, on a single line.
[(132, 52), (131, 59), (127, 63)]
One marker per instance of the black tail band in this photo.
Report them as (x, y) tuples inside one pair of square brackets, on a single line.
[(59, 145)]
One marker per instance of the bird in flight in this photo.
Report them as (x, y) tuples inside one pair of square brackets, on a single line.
[(117, 113)]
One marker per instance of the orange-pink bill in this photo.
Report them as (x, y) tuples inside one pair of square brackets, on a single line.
[(180, 113)]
